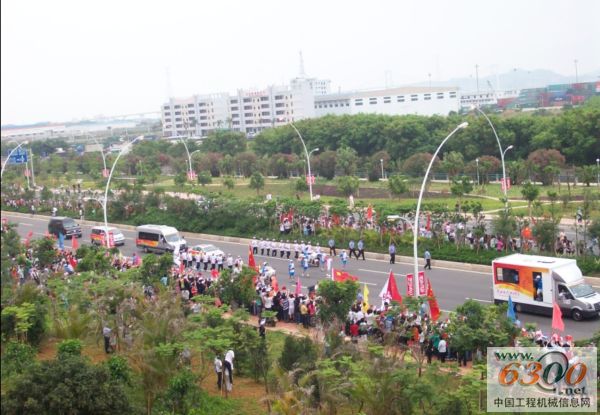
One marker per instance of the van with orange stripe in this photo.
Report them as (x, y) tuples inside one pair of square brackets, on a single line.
[(534, 283), (159, 239)]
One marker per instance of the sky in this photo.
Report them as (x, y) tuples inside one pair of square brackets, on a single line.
[(64, 60)]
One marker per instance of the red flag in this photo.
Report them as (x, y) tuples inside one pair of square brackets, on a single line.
[(298, 287), (390, 290), (428, 227), (214, 273), (393, 289), (557, 321), (335, 219), (73, 262), (370, 212), (28, 238), (434, 308), (251, 261), (181, 267), (341, 276), (74, 243)]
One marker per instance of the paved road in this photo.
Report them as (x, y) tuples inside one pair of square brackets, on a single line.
[(452, 287)]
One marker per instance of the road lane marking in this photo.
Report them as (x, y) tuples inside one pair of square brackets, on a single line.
[(25, 224), (477, 299)]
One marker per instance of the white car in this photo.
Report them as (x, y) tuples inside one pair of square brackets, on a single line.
[(208, 248)]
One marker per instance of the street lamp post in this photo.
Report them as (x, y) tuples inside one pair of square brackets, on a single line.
[(105, 204), (307, 159), (417, 213), (8, 157), (502, 152), (101, 152), (382, 174), (477, 162), (598, 172), (189, 157)]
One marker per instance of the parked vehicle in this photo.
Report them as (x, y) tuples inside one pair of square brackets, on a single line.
[(159, 238), (99, 234), (534, 283), (208, 248), (67, 226)]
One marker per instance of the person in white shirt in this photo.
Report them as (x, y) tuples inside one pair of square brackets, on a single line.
[(302, 247), (288, 249), (219, 371), (442, 349), (274, 248), (254, 244), (229, 356), (261, 245), (229, 261), (296, 249)]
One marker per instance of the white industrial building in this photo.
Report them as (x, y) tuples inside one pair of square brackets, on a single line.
[(390, 101)]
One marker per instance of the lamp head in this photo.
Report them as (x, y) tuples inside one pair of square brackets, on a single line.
[(316, 149), (509, 147), (463, 125)]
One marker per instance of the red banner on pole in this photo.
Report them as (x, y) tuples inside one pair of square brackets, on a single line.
[(191, 175), (410, 285), (111, 240), (505, 185), (27, 173), (422, 283), (105, 173), (310, 179)]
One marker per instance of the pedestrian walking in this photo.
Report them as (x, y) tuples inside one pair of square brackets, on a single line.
[(304, 263), (392, 251), (219, 371), (344, 258), (331, 244), (427, 257), (352, 249), (106, 332), (254, 246), (296, 249), (261, 245), (292, 270), (288, 249), (229, 356), (32, 210), (361, 249), (442, 350)]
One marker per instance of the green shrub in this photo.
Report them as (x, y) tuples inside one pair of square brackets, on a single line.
[(298, 353), (69, 348)]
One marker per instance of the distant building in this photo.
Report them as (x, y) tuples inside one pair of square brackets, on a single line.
[(249, 111), (390, 101), (556, 95), (487, 98)]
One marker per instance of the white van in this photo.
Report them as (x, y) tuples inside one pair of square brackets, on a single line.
[(98, 235), (158, 238), (534, 283)]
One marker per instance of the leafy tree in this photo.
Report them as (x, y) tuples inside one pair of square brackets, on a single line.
[(227, 165), (180, 179), (325, 163), (154, 267), (347, 160), (488, 165), (182, 391), (337, 297), (246, 163), (257, 182), (225, 142), (505, 225), (347, 185), (587, 174), (460, 187), (530, 192), (298, 353), (69, 385), (119, 369), (397, 185), (416, 165), (44, 251), (17, 358), (545, 232), (453, 163), (237, 289), (229, 183), (301, 185), (204, 178), (543, 163)]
